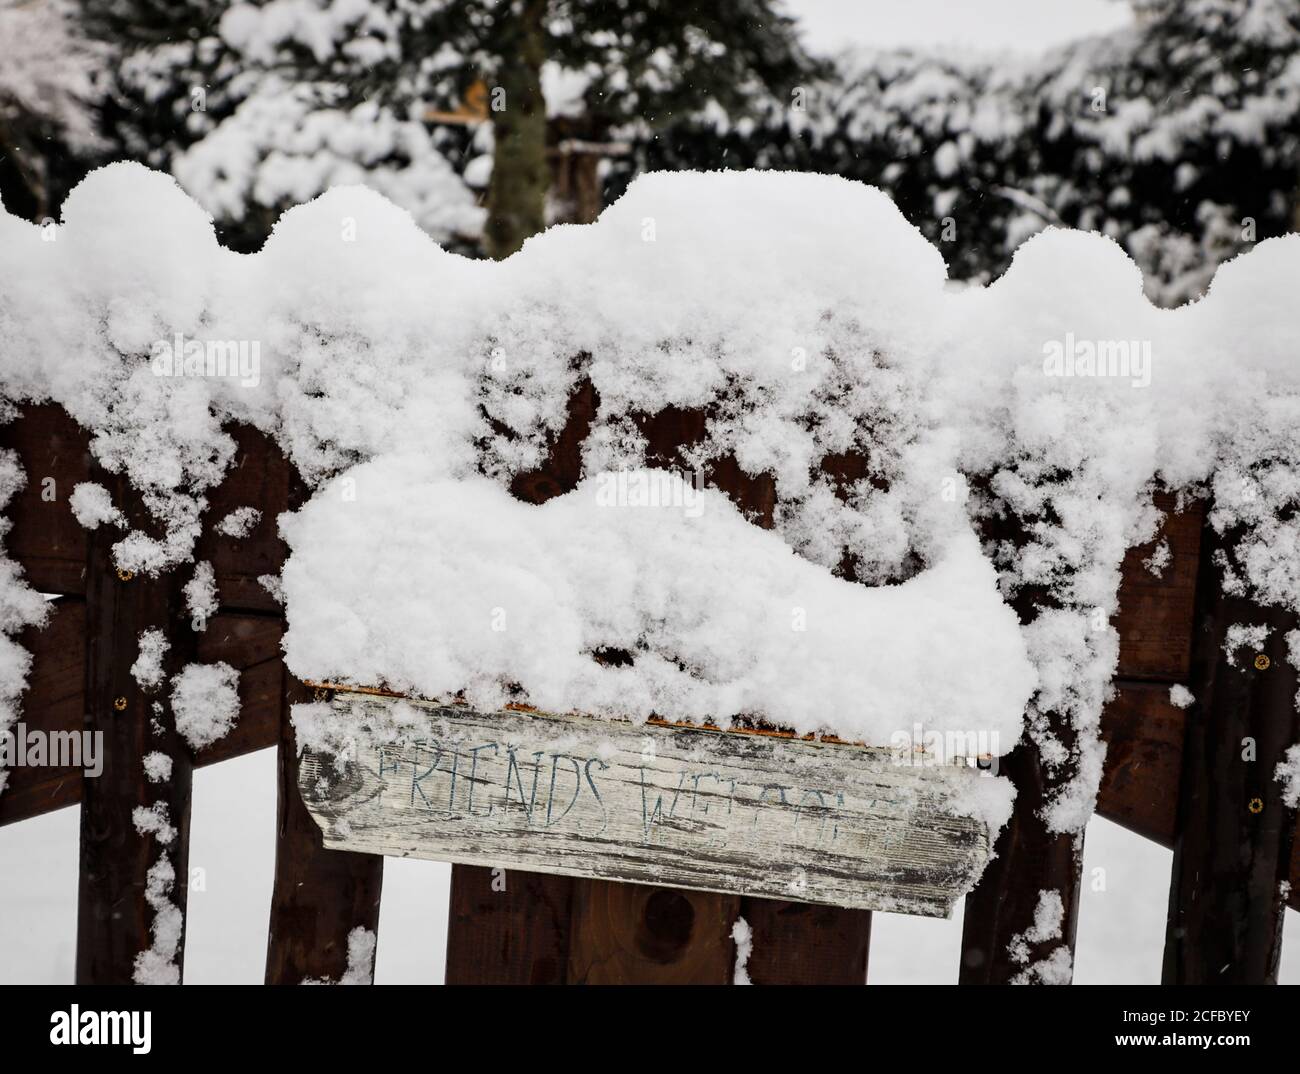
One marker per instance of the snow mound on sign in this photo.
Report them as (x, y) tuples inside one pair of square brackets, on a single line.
[(434, 586)]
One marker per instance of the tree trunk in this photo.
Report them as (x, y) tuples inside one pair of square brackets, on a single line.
[(517, 194)]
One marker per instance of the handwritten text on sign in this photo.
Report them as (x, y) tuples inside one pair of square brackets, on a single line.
[(686, 807)]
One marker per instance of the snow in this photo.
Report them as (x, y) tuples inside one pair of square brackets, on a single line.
[(20, 606), (410, 386), (1057, 966), (157, 964), (157, 767), (1288, 774), (722, 617), (271, 583), (201, 595), (286, 143), (92, 506), (50, 70), (154, 820), (148, 667), (1056, 969), (1048, 913), (361, 957), (240, 522), (1159, 559), (1179, 696), (205, 702), (743, 936), (1242, 636), (361, 960)]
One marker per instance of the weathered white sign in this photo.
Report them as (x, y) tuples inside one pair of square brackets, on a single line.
[(686, 807)]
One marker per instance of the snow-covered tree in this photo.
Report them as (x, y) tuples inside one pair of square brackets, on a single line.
[(1180, 138), (256, 106), (48, 80), (259, 107), (618, 65)]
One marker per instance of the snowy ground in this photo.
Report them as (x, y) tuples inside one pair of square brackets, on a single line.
[(1121, 921)]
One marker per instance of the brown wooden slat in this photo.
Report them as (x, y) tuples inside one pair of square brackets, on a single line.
[(251, 645), (634, 933), (320, 895), (508, 928), (796, 943), (113, 916), (46, 539), (1234, 835), (1154, 621), (53, 703), (1143, 732), (51, 545), (1155, 613), (260, 476), (1140, 783), (1029, 859)]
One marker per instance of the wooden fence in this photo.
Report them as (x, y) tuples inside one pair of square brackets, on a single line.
[(1175, 776)]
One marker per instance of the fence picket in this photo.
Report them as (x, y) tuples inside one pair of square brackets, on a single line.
[(114, 915), (1029, 860), (1234, 840), (508, 927), (319, 895)]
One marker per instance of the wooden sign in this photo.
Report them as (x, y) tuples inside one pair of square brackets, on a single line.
[(727, 811)]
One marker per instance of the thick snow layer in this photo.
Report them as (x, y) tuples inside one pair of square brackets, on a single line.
[(805, 316), (469, 589)]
